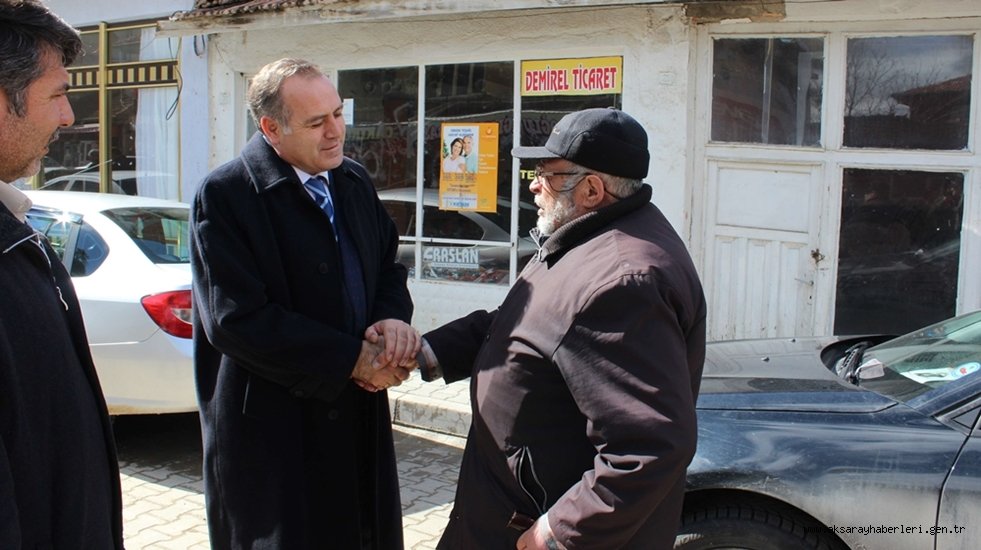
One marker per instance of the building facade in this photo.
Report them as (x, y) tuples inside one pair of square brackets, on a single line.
[(139, 102), (820, 158)]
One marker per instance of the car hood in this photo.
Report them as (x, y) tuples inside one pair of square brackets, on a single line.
[(779, 375)]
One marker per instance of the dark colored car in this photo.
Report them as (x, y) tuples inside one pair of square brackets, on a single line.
[(869, 442)]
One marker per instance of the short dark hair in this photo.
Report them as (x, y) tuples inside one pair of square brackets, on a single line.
[(27, 30)]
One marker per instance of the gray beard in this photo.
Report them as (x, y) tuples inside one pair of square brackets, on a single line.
[(563, 211)]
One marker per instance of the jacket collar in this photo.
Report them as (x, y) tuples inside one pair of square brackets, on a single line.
[(12, 230), (268, 170), (552, 247)]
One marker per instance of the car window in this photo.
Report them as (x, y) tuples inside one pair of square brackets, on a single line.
[(928, 358), (90, 252), (160, 232), (57, 231)]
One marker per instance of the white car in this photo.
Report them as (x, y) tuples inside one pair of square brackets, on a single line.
[(122, 182), (128, 258)]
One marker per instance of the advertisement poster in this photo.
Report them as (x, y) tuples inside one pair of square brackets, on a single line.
[(468, 166), (583, 76)]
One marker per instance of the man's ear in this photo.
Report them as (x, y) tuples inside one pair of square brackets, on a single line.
[(594, 192), (271, 129)]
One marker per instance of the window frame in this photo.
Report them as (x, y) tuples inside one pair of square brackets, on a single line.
[(419, 240)]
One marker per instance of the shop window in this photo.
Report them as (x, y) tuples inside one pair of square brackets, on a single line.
[(767, 90), (469, 110), (76, 150), (135, 44), (899, 249), (462, 229), (381, 130), (129, 144), (909, 92), (89, 55), (144, 157)]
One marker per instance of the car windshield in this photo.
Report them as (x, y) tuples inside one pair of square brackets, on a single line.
[(160, 232), (928, 358)]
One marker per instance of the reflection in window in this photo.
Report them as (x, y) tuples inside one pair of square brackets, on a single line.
[(90, 50), (899, 250), (90, 252), (767, 90), (139, 44), (140, 71), (57, 232), (478, 93), (76, 149), (909, 92), (382, 134), (159, 232), (143, 158)]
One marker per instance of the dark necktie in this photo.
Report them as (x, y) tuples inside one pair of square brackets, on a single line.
[(354, 290)]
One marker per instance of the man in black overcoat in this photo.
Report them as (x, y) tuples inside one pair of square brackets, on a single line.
[(293, 258), (59, 479)]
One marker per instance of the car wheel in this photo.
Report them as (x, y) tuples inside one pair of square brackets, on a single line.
[(750, 526)]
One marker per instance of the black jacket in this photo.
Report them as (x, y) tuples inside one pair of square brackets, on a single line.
[(59, 479), (296, 455)]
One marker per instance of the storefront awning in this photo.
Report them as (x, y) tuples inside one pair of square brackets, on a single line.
[(238, 15)]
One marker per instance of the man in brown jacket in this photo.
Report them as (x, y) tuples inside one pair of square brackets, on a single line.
[(583, 382)]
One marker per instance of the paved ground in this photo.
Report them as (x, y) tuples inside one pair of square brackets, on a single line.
[(160, 463)]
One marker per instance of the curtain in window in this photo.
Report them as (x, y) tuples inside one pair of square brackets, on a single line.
[(156, 128)]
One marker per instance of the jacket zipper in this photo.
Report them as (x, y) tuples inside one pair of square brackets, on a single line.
[(526, 455)]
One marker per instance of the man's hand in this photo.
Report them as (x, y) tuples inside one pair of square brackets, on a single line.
[(539, 537), (401, 343), (372, 378)]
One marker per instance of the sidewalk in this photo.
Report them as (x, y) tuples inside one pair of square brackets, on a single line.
[(434, 406)]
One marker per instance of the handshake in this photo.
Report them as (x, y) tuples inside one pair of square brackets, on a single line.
[(388, 355)]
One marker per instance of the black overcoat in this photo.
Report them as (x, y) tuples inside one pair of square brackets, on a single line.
[(295, 455), (59, 479)]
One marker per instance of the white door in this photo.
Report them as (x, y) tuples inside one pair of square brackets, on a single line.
[(762, 251)]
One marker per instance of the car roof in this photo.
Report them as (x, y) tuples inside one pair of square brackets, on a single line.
[(82, 202)]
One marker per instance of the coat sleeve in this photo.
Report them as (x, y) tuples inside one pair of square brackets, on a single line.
[(629, 375), (238, 319), (457, 343)]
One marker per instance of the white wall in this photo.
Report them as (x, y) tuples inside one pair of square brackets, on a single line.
[(193, 65), (653, 41)]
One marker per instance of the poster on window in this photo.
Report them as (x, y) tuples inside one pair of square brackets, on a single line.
[(468, 166)]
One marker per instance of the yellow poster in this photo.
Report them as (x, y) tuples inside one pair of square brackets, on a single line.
[(468, 166), (583, 76)]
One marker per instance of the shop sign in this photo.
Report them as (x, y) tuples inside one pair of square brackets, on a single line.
[(583, 76), (459, 257)]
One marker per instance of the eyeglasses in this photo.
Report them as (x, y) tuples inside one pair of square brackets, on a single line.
[(539, 173)]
